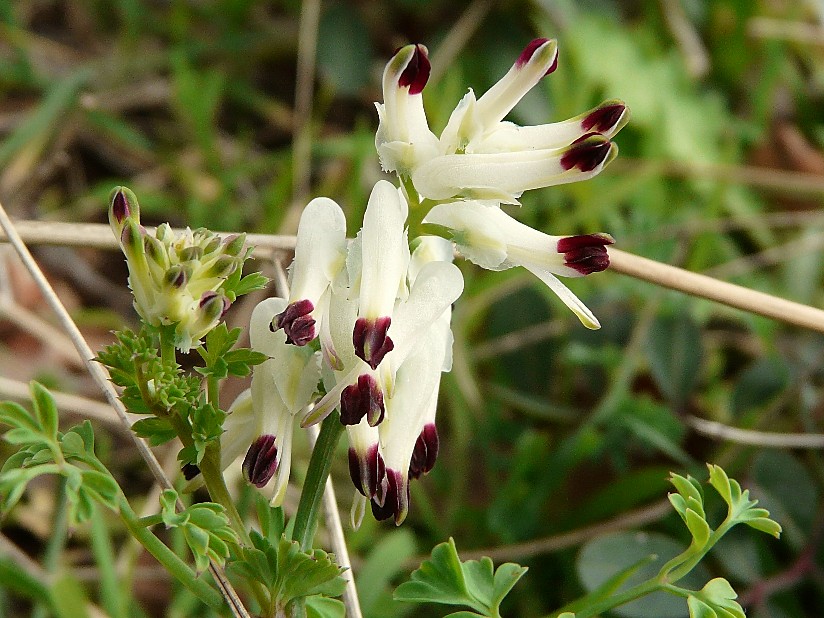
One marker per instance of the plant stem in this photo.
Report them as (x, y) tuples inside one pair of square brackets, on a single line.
[(168, 558), (630, 594), (306, 518)]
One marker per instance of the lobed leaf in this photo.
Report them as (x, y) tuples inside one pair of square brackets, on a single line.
[(445, 579), (45, 409)]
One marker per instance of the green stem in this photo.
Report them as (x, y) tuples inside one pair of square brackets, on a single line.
[(57, 539), (216, 484), (168, 558), (680, 570), (630, 594), (306, 518), (113, 596)]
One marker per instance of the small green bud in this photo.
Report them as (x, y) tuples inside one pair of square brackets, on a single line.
[(156, 251), (234, 244), (212, 245), (190, 254), (122, 206), (164, 233), (131, 239), (177, 276), (223, 267)]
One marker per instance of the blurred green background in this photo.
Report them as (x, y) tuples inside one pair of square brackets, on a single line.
[(556, 441)]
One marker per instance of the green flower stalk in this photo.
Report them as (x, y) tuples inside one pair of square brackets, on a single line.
[(176, 278)]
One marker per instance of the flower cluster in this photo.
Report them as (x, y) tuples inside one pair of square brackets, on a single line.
[(370, 319), (176, 279)]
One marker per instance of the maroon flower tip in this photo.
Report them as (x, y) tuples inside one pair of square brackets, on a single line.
[(587, 253), (425, 452), (120, 206), (190, 471), (367, 473), (371, 341), (297, 322), (587, 152), (364, 398), (416, 73), (529, 51), (552, 66), (261, 461), (604, 118), (396, 501)]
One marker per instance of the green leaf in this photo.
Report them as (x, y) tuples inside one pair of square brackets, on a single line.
[(205, 528), (287, 571), (445, 579), (270, 518), (716, 598), (14, 414), (45, 409), (156, 430), (236, 286), (102, 487), (440, 579), (318, 606), (506, 576), (740, 508), (698, 527)]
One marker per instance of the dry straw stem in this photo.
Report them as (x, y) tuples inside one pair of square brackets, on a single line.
[(101, 378), (694, 284)]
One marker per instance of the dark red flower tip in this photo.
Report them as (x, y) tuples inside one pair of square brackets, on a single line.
[(177, 277), (396, 501), (416, 73), (364, 398), (367, 472), (261, 460), (586, 253), (425, 452), (297, 322), (530, 50), (120, 206), (587, 152), (370, 340), (604, 118), (190, 471)]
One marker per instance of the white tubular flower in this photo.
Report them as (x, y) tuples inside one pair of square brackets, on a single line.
[(281, 387), (473, 118), (492, 239), (384, 260), (366, 467), (361, 391), (479, 155), (403, 139), (320, 254), (504, 176), (410, 419)]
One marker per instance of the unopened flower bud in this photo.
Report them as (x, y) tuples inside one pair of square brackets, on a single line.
[(190, 254), (261, 461), (233, 245), (122, 205)]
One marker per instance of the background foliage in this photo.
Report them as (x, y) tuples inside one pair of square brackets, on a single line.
[(547, 429)]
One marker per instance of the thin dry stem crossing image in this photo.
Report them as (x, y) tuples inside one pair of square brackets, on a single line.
[(322, 309)]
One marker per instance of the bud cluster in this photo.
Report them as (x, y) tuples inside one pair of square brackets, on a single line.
[(176, 278)]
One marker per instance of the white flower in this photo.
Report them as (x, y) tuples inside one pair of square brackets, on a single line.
[(281, 387), (403, 139), (478, 154), (319, 255), (492, 239)]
